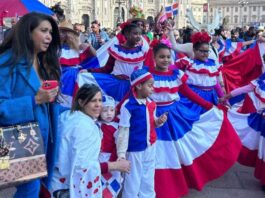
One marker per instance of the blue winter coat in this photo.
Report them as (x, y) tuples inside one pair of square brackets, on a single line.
[(17, 91)]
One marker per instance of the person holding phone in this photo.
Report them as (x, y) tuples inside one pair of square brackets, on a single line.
[(28, 57)]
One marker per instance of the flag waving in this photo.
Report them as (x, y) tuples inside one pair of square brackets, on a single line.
[(172, 10)]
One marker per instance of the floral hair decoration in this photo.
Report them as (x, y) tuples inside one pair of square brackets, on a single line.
[(200, 37), (166, 42), (124, 24)]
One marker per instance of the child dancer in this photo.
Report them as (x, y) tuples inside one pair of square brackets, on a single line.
[(137, 136), (110, 168), (203, 72), (124, 59), (188, 142), (251, 127)]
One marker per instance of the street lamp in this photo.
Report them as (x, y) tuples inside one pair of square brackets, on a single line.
[(242, 4)]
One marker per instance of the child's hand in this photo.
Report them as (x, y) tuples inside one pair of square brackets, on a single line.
[(223, 100), (123, 165), (169, 27), (162, 119), (83, 71)]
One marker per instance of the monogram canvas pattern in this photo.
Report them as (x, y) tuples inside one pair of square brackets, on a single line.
[(25, 159), (23, 170)]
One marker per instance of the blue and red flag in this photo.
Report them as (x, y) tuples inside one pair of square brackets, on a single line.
[(15, 8), (172, 10)]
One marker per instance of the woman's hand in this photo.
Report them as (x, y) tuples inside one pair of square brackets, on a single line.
[(46, 96)]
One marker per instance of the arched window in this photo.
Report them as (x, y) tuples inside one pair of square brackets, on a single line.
[(117, 14), (85, 20)]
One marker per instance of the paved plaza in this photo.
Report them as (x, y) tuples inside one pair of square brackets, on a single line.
[(238, 182)]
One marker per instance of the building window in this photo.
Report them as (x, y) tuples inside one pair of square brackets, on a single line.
[(204, 19), (245, 19), (254, 8), (170, 1), (253, 18), (211, 9), (236, 19), (236, 9), (150, 1), (263, 8), (227, 9), (245, 9)]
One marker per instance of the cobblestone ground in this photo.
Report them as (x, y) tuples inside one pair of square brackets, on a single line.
[(238, 182)]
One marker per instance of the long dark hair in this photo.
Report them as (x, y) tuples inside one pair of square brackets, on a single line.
[(85, 93), (22, 47)]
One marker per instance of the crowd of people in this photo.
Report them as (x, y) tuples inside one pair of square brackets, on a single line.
[(169, 110)]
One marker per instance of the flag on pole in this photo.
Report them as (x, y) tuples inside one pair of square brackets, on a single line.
[(172, 10), (205, 7)]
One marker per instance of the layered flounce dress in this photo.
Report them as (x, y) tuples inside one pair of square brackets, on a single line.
[(114, 77), (251, 130), (192, 148), (202, 79)]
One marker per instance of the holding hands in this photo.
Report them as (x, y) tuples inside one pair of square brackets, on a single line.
[(224, 99), (121, 165)]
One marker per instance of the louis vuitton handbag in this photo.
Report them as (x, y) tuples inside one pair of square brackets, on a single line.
[(22, 156)]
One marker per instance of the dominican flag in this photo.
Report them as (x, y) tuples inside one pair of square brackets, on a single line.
[(172, 10)]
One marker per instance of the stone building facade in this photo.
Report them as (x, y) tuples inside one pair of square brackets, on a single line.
[(239, 13), (109, 12)]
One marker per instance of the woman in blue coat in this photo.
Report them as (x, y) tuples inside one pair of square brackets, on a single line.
[(28, 56)]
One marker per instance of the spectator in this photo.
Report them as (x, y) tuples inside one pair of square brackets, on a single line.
[(28, 56), (77, 164), (78, 29), (148, 32), (97, 37)]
